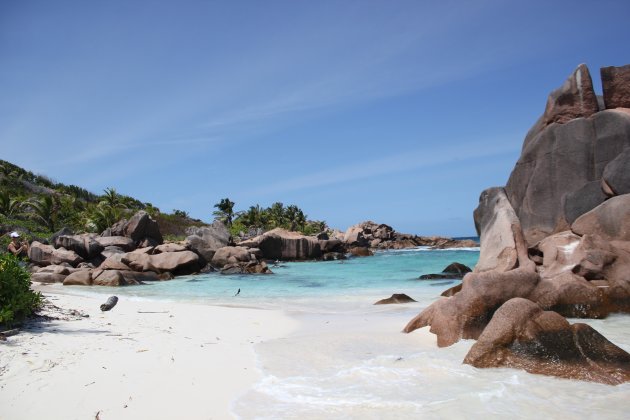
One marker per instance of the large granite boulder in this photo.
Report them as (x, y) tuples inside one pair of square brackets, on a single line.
[(610, 220), (497, 224), (574, 99), (616, 86), (232, 255), (114, 262), (43, 255), (616, 176), (466, 313), (179, 263), (85, 245), (140, 228), (521, 335), (79, 278), (48, 277), (281, 244), (122, 242), (553, 180), (206, 240)]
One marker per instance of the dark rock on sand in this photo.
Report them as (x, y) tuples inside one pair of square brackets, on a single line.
[(467, 313), (395, 298), (521, 335)]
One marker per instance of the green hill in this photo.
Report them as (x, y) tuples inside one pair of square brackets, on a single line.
[(38, 206)]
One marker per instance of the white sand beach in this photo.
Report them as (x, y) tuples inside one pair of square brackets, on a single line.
[(143, 359)]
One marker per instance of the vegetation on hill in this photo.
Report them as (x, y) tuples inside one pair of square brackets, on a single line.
[(38, 206)]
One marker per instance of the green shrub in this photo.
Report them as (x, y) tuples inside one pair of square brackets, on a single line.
[(17, 300)]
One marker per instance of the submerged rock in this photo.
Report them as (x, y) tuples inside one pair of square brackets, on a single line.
[(395, 298), (452, 271)]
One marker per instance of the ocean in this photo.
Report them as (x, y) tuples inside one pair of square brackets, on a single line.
[(348, 358)]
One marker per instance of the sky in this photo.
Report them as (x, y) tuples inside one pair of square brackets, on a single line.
[(400, 112)]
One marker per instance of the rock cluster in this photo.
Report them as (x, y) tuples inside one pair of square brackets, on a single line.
[(380, 236), (556, 238), (118, 257)]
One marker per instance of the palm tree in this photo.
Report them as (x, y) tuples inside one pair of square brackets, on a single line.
[(45, 210), (276, 214), (9, 206), (111, 197), (255, 216), (225, 211), (291, 217)]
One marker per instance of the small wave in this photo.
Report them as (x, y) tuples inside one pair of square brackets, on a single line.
[(426, 249)]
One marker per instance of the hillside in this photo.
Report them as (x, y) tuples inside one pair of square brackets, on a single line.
[(38, 206)]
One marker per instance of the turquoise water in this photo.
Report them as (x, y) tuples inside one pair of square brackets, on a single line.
[(348, 358), (315, 286)]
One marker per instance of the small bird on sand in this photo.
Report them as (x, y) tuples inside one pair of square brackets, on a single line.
[(237, 293)]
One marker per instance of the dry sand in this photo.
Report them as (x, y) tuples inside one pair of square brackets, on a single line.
[(142, 360)]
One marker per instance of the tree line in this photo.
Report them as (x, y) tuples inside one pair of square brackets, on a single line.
[(289, 217)]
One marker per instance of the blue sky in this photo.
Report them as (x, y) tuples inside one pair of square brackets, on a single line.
[(401, 112)]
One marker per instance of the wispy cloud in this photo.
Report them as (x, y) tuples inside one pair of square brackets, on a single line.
[(401, 162)]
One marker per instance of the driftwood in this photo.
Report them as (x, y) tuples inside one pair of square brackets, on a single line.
[(8, 333), (111, 302)]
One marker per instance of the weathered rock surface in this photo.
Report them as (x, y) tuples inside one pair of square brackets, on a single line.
[(122, 242), (616, 86), (140, 228), (231, 255), (616, 176), (395, 298), (178, 263), (496, 223), (251, 267), (48, 277), (79, 278), (206, 240), (574, 99), (114, 262), (610, 220), (521, 335), (170, 247), (281, 244), (556, 238), (552, 173), (84, 245), (44, 255), (466, 314)]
